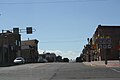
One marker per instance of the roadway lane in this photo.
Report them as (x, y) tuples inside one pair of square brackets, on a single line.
[(58, 71), (78, 71)]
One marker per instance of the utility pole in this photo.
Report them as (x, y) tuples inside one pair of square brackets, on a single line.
[(106, 53), (106, 44), (119, 52)]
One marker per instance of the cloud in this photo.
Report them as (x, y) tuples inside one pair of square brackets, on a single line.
[(71, 54), (64, 54)]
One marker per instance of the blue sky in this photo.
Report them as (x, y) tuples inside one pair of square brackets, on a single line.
[(62, 26)]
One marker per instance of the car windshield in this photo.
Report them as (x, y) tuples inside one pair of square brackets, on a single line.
[(59, 39), (18, 59)]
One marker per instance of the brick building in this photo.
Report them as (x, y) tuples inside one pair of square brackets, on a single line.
[(29, 50), (110, 33), (50, 57), (10, 46)]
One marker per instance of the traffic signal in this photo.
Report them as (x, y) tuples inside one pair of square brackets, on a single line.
[(29, 30), (16, 30)]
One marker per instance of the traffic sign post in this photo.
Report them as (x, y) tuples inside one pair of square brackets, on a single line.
[(28, 30), (105, 43)]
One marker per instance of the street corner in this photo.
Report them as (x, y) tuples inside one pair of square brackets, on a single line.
[(95, 64), (113, 65), (89, 64)]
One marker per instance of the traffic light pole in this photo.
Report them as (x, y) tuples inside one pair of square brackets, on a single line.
[(106, 52), (28, 30), (119, 53)]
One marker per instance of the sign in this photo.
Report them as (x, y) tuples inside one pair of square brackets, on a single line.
[(94, 46), (109, 46), (104, 46), (100, 46), (104, 43)]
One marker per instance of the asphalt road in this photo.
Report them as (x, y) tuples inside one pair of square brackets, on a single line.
[(58, 71)]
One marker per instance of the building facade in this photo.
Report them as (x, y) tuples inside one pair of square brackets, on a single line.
[(50, 57), (106, 41), (10, 46), (29, 50)]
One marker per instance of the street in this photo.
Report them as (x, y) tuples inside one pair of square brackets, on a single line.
[(58, 71)]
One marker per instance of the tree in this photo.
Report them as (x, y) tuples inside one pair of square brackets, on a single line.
[(65, 60)]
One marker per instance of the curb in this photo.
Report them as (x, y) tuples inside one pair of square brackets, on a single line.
[(101, 65)]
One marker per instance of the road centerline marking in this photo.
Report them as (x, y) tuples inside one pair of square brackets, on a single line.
[(115, 70)]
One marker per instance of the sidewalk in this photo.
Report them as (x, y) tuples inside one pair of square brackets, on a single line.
[(112, 63)]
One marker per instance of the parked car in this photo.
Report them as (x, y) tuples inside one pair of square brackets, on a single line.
[(19, 60)]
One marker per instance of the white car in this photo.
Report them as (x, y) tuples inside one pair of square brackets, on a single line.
[(19, 60)]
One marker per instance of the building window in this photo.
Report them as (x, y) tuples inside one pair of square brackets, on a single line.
[(19, 43), (16, 42)]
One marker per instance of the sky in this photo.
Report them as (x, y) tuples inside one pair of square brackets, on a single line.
[(61, 26)]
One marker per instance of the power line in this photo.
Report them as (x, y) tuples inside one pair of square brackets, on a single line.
[(72, 41), (49, 2)]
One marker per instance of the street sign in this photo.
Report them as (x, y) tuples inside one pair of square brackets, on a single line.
[(100, 46), (104, 46), (109, 46), (104, 43), (108, 41)]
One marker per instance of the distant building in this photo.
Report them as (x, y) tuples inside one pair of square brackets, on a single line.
[(105, 43), (58, 58), (10, 46), (50, 57), (41, 58), (106, 38), (87, 53), (65, 60), (29, 50)]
